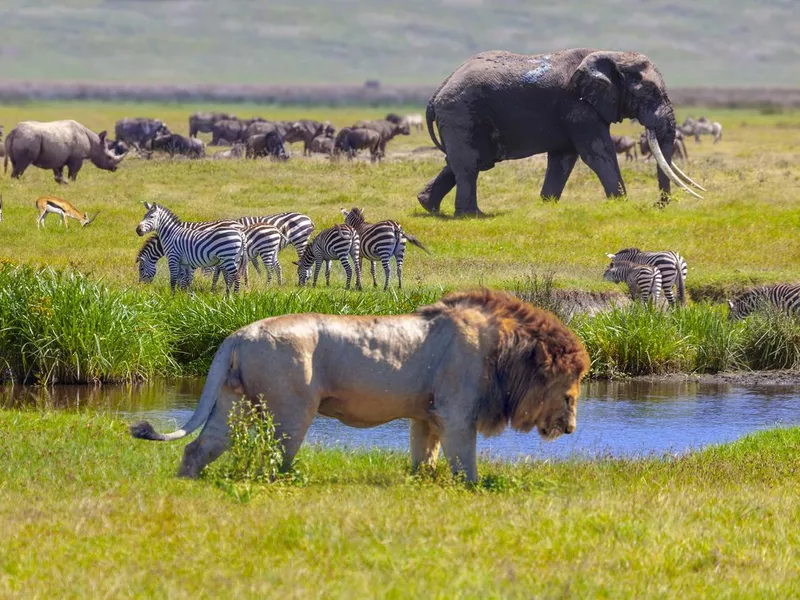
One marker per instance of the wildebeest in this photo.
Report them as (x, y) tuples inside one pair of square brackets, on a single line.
[(322, 144), (205, 121), (230, 130), (179, 144), (139, 130), (306, 130), (386, 129), (266, 144), (55, 145), (626, 145), (678, 147), (350, 140)]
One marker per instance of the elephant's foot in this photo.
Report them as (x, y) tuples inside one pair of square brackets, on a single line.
[(424, 200)]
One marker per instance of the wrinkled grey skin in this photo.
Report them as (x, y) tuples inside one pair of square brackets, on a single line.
[(626, 145), (138, 131), (266, 144), (350, 140), (179, 144), (501, 106), (306, 130), (322, 144), (678, 147), (386, 129), (55, 145), (205, 121)]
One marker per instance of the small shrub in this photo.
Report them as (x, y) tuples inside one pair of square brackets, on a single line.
[(770, 340)]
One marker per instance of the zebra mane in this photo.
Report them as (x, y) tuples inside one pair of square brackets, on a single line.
[(632, 249), (753, 294), (148, 244), (170, 215)]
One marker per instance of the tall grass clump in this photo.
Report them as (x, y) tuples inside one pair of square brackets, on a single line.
[(715, 340), (635, 340), (770, 340), (62, 327)]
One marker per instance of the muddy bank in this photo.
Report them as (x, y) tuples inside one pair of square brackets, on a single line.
[(790, 378)]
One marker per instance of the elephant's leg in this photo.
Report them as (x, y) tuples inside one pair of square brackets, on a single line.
[(559, 167), (467, 192), (424, 444), (437, 188), (600, 157)]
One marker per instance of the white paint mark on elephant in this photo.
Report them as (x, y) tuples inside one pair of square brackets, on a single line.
[(534, 75)]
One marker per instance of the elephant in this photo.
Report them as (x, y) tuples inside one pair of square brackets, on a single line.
[(350, 140), (625, 145), (501, 106), (55, 145)]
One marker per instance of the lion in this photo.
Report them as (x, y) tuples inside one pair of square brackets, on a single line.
[(473, 362)]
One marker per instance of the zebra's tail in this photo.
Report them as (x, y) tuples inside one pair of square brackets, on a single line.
[(222, 366), (681, 287), (414, 241)]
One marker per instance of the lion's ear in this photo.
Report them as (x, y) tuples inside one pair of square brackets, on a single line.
[(542, 356)]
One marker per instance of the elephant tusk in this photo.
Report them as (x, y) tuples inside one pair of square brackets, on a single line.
[(664, 165), (687, 178)]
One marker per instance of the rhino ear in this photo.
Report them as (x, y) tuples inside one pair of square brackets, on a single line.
[(102, 135)]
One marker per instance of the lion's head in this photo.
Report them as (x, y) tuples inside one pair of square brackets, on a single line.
[(533, 368)]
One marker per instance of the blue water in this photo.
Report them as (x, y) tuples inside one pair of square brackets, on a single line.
[(617, 419)]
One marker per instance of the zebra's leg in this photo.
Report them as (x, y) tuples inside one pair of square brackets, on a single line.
[(355, 252), (277, 266), (399, 255), (215, 278), (317, 267), (669, 295), (174, 272), (559, 167), (328, 273), (387, 271), (254, 261), (372, 272), (347, 269)]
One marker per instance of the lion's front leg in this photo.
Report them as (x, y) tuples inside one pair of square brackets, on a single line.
[(459, 444), (424, 444)]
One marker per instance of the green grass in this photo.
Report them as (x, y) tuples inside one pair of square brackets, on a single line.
[(734, 43), (745, 231), (63, 327), (87, 511)]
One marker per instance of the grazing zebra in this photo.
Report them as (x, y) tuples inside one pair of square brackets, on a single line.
[(296, 226), (784, 297), (339, 241), (644, 281), (671, 264), (263, 240), (381, 241), (223, 245)]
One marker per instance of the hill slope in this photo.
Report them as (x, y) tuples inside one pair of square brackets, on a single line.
[(731, 43)]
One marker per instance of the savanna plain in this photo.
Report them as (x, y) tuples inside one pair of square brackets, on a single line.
[(87, 511)]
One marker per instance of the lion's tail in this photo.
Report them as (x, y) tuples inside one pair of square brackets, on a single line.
[(217, 377)]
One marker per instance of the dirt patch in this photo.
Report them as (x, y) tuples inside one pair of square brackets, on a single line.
[(742, 378)]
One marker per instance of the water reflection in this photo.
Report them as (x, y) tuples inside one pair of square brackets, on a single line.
[(618, 418)]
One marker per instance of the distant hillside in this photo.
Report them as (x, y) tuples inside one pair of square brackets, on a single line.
[(694, 43)]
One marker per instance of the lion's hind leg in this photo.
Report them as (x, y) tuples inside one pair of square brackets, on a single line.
[(424, 444), (213, 440)]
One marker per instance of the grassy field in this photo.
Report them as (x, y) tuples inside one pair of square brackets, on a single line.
[(86, 511), (730, 43), (745, 231)]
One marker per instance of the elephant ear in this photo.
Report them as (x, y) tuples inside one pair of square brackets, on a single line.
[(598, 81)]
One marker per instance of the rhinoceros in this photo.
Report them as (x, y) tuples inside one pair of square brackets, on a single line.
[(55, 145)]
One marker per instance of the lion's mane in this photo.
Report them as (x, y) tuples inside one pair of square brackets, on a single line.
[(532, 348)]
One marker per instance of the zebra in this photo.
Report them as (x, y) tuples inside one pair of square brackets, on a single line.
[(644, 281), (222, 245), (295, 226), (338, 241), (263, 240), (381, 241), (784, 296), (671, 264)]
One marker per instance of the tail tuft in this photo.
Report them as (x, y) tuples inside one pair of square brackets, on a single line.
[(144, 431)]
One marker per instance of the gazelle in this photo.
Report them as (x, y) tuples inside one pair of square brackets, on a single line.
[(58, 206)]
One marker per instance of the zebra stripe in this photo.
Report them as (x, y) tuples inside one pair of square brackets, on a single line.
[(265, 241), (644, 282), (671, 264), (337, 242), (222, 245), (785, 297), (381, 241), (296, 226)]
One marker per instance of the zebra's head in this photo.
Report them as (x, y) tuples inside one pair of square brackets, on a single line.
[(155, 217), (147, 259), (304, 265), (354, 217), (613, 273)]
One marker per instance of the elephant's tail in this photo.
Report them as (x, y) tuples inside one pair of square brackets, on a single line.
[(430, 116), (8, 145)]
